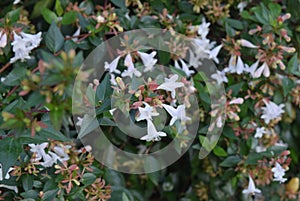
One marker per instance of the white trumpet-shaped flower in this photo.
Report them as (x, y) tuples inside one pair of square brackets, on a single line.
[(183, 67), (171, 84), (279, 172), (260, 131), (203, 29), (146, 113), (131, 70), (112, 67), (214, 53), (237, 101), (220, 77), (38, 150), (148, 60), (3, 39), (62, 152), (7, 175), (271, 111), (246, 43), (236, 65), (22, 45), (252, 68), (251, 190), (176, 113), (152, 133), (13, 188), (263, 69)]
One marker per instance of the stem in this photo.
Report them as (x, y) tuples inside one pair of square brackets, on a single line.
[(5, 67)]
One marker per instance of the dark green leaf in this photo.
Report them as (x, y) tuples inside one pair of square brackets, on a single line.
[(230, 161), (10, 149), (54, 38), (88, 178), (104, 89)]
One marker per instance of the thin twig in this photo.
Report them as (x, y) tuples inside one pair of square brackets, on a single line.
[(5, 67)]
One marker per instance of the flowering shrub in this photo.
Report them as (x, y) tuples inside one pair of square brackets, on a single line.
[(158, 87)]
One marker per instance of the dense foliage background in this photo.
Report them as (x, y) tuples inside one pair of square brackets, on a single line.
[(42, 46)]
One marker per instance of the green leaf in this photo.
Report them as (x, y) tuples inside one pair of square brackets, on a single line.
[(88, 178), (119, 3), (229, 30), (114, 178), (13, 16), (69, 17), (219, 151), (124, 197), (50, 195), (15, 77), (237, 24), (104, 89), (230, 161), (235, 88), (40, 6), (10, 149), (287, 85), (293, 65), (49, 16), (27, 181), (56, 117), (152, 163), (253, 158), (54, 38), (88, 125), (58, 8)]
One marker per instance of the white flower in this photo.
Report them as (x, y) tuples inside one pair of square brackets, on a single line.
[(220, 77), (61, 152), (260, 132), (279, 172), (214, 53), (112, 67), (113, 79), (242, 5), (16, 2), (146, 113), (2, 79), (111, 111), (171, 85), (251, 190), (176, 113), (22, 45), (7, 176), (264, 68), (152, 134), (100, 19), (3, 39), (77, 33), (203, 28), (252, 68), (38, 150), (148, 60), (281, 144), (246, 43), (13, 188), (49, 159), (260, 149), (184, 67), (79, 121), (236, 65), (237, 101), (130, 68), (271, 111)]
